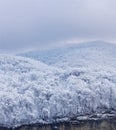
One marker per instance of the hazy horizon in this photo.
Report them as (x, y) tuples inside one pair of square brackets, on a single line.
[(27, 24)]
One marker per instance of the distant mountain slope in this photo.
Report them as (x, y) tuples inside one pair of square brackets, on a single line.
[(95, 53)]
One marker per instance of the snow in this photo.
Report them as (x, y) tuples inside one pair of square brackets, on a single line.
[(91, 54), (34, 92)]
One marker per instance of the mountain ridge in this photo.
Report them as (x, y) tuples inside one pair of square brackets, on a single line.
[(101, 52)]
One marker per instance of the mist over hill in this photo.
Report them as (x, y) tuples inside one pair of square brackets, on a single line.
[(96, 53)]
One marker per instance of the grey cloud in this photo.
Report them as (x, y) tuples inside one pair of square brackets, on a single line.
[(26, 23)]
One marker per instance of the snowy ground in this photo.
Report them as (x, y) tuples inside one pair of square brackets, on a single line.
[(34, 92)]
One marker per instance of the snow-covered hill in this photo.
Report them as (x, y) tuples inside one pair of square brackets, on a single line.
[(33, 92), (25, 89), (89, 54)]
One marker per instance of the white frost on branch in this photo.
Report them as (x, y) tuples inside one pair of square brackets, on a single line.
[(32, 92)]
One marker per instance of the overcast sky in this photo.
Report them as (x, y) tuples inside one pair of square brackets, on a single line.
[(30, 23)]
